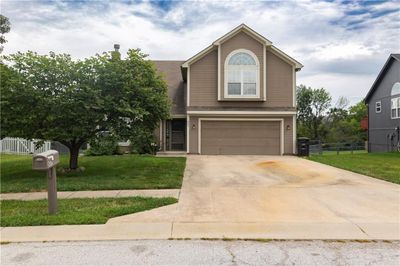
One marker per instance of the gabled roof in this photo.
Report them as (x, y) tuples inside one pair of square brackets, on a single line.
[(245, 28), (381, 74), (251, 32)]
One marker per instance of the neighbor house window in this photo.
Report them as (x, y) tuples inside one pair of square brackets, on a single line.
[(395, 89), (395, 110), (395, 102), (242, 75), (378, 107)]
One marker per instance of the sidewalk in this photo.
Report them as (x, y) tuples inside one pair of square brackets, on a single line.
[(182, 230), (155, 193)]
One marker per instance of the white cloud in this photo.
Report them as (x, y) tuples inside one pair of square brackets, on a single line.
[(334, 51), (341, 52), (353, 87)]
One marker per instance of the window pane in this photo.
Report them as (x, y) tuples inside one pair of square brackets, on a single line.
[(249, 76), (394, 113), (233, 88), (234, 76), (249, 89), (396, 88), (242, 59)]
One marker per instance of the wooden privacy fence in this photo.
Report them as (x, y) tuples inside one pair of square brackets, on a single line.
[(22, 146)]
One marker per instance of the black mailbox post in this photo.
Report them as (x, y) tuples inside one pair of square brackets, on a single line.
[(47, 161), (303, 147)]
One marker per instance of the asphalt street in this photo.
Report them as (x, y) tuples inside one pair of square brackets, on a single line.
[(202, 252)]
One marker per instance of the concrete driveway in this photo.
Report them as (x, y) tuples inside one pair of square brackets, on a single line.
[(277, 197)]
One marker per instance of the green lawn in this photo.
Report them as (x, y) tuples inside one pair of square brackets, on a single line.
[(100, 173), (385, 166), (75, 211)]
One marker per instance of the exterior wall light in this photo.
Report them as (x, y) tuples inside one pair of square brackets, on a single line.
[(288, 127), (193, 126)]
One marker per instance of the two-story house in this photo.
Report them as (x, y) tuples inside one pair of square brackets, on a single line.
[(383, 101), (237, 96)]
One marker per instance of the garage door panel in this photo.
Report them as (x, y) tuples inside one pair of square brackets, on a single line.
[(240, 137)]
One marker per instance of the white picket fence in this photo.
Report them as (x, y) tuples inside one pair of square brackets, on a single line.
[(22, 146)]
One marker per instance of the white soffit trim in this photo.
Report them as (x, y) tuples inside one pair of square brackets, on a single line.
[(282, 136), (294, 126), (219, 73), (188, 87), (265, 71), (241, 112), (294, 87), (187, 133)]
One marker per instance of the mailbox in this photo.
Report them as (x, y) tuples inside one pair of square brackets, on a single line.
[(45, 160)]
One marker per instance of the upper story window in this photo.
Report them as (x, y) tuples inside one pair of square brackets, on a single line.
[(395, 88), (242, 75), (395, 102), (378, 107), (395, 110)]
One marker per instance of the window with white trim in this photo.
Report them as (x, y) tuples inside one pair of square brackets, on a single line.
[(378, 107), (242, 75), (395, 89), (395, 102), (395, 108)]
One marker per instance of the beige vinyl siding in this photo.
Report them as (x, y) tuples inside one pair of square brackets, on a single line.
[(288, 135), (204, 83), (203, 80), (279, 81), (193, 134)]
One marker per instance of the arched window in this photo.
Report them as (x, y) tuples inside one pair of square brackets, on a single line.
[(396, 88), (395, 101), (242, 75)]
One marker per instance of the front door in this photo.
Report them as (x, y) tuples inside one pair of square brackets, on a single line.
[(176, 135)]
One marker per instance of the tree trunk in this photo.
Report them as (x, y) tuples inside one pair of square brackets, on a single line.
[(73, 157)]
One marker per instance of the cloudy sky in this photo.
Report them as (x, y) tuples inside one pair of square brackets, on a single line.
[(342, 44)]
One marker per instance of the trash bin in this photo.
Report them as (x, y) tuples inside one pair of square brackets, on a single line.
[(303, 146)]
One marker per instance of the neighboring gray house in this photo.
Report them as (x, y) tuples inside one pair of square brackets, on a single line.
[(383, 101), (237, 96)]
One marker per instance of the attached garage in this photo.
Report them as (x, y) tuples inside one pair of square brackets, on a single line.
[(240, 137)]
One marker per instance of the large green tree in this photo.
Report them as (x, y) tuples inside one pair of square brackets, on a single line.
[(54, 97), (5, 27), (356, 113), (344, 123), (312, 105), (335, 122)]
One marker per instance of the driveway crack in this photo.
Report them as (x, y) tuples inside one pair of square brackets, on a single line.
[(172, 229), (233, 256), (341, 216)]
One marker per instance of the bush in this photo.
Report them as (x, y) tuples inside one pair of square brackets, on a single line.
[(144, 143), (103, 145)]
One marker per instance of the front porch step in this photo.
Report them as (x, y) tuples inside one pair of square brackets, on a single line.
[(171, 153)]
